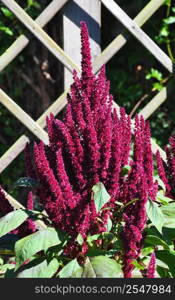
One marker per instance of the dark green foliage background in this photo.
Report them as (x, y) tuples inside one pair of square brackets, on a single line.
[(34, 79)]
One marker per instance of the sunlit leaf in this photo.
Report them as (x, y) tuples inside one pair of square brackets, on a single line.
[(101, 267), (155, 215), (71, 270), (155, 240), (33, 243), (12, 220), (100, 195), (40, 269)]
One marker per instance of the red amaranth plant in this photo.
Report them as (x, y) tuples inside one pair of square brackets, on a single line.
[(95, 186), (91, 145)]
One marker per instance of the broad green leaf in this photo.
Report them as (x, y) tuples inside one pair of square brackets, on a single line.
[(161, 198), (155, 215), (168, 257), (163, 272), (26, 182), (71, 270), (169, 20), (4, 268), (169, 215), (169, 235), (100, 195), (33, 243), (12, 220), (169, 210), (155, 240), (101, 267), (160, 263), (42, 269)]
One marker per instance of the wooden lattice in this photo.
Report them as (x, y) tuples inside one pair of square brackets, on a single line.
[(133, 26)]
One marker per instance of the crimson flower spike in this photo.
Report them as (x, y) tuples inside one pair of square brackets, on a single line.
[(86, 64), (151, 267)]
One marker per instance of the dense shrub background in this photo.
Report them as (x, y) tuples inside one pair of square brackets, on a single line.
[(34, 79)]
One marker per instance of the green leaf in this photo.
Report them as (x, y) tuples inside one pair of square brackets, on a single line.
[(164, 31), (26, 182), (163, 272), (12, 220), (169, 20), (157, 86), (154, 74), (155, 215), (92, 238), (155, 240), (40, 269), (7, 12), (80, 239), (33, 243), (71, 270), (7, 30), (147, 250), (6, 267), (160, 183), (168, 257), (101, 267), (169, 215), (137, 265), (100, 195), (161, 198), (169, 235)]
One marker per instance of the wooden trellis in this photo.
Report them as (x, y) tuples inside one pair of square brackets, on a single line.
[(132, 26)]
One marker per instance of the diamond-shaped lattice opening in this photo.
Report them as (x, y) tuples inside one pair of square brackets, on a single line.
[(11, 129), (37, 85), (127, 71)]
